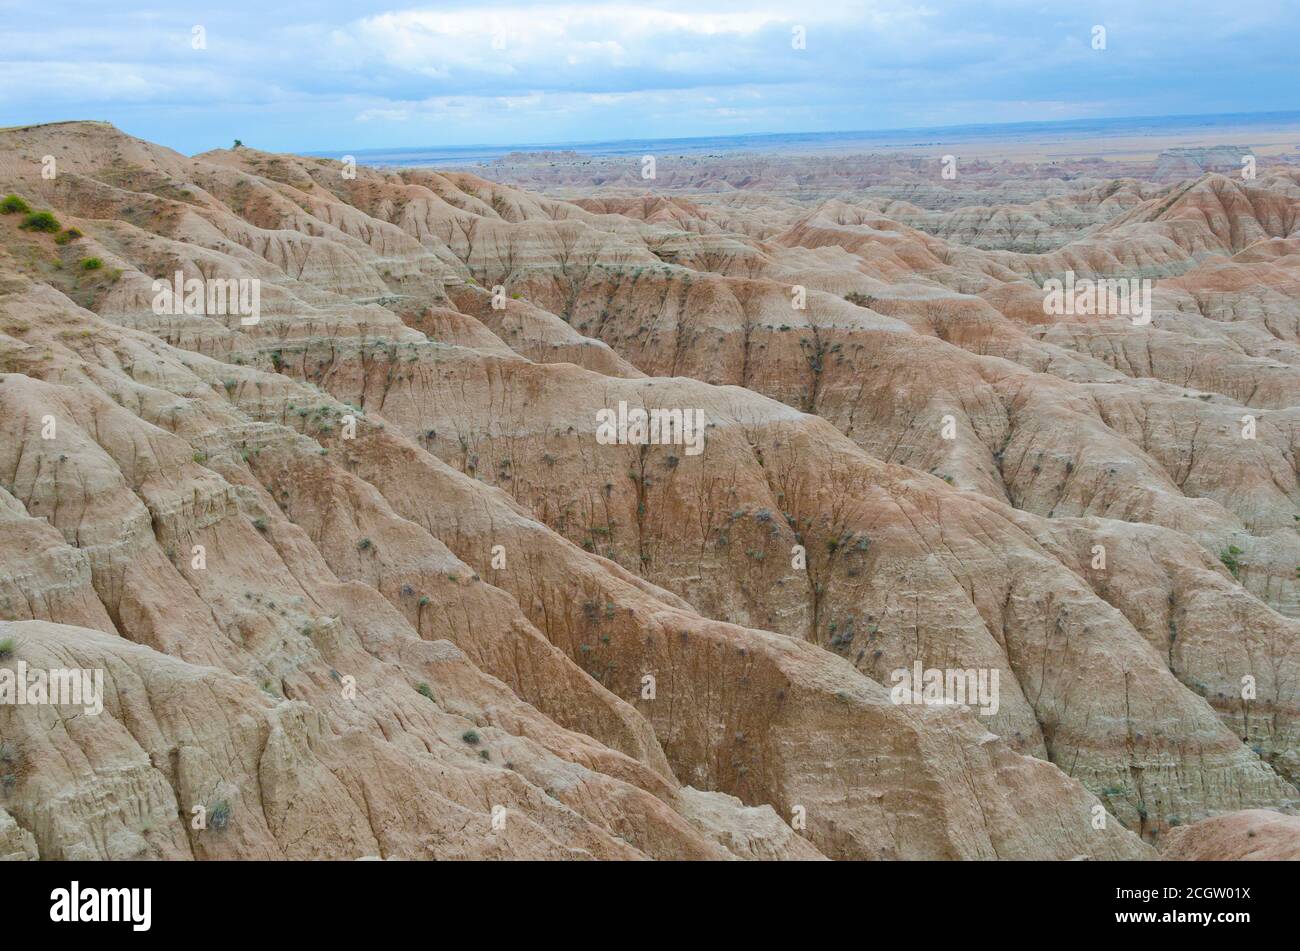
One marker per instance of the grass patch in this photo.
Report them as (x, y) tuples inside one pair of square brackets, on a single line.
[(13, 205), (41, 221)]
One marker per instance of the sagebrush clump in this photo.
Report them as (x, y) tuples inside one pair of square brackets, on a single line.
[(12, 204), (41, 221)]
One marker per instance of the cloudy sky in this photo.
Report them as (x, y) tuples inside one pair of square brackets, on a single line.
[(325, 74)]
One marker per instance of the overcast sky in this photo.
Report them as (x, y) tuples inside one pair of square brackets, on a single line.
[(359, 74)]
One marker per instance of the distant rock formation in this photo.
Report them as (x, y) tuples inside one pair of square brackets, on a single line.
[(1179, 163), (540, 156)]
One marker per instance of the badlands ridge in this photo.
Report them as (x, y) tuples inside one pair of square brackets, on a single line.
[(362, 581)]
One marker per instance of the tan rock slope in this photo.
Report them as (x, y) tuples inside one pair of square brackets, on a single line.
[(1256, 834), (362, 581)]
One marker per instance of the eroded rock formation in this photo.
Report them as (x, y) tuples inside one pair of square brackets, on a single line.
[(362, 580)]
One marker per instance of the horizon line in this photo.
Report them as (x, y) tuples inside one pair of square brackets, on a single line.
[(1292, 114)]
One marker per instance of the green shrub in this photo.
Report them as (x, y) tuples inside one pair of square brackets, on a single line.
[(1229, 559), (7, 648), (12, 204), (424, 690), (471, 737), (68, 235), (219, 815), (41, 221), (91, 264)]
